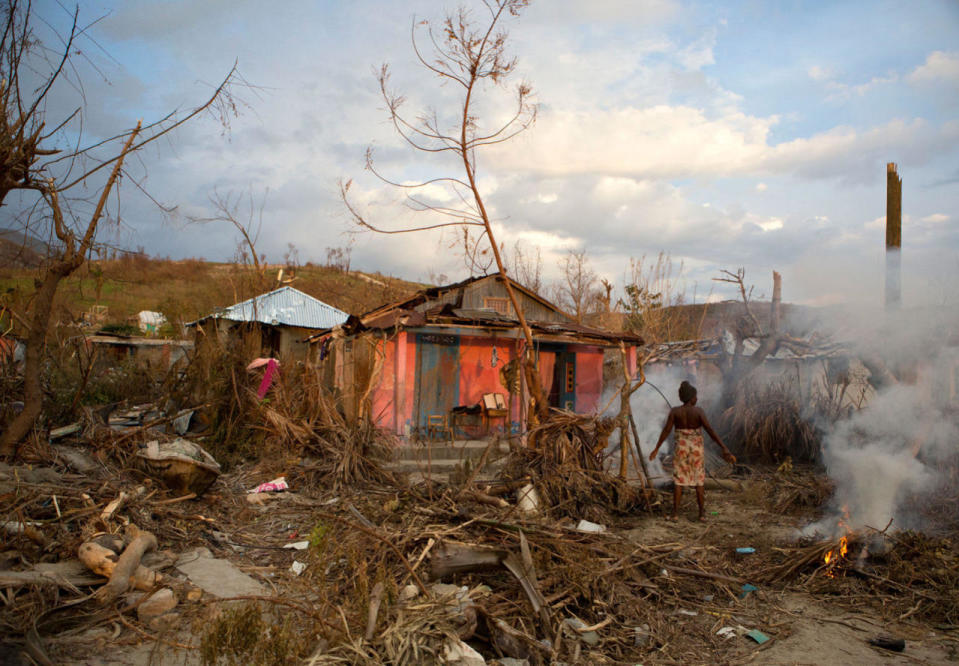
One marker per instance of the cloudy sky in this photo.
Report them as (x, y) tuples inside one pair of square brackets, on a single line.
[(751, 134)]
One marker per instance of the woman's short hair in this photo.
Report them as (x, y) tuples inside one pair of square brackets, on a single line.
[(687, 392)]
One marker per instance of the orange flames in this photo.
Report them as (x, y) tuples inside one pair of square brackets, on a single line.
[(832, 556)]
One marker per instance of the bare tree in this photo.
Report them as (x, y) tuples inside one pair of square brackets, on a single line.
[(577, 289), (33, 160), (245, 213), (526, 265), (651, 293), (469, 56), (736, 367)]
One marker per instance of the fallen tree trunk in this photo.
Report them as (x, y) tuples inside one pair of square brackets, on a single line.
[(103, 561), (127, 566)]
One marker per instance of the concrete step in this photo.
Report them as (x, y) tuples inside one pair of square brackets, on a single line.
[(461, 450), (444, 465)]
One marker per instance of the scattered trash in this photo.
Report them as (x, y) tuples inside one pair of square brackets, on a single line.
[(272, 367), (757, 636), (297, 567), (745, 551), (459, 653), (72, 429), (527, 500), (689, 613), (181, 424), (707, 598), (277, 485), (298, 545), (160, 602), (182, 465), (746, 589), (586, 634), (888, 643), (727, 632), (408, 592), (586, 526), (641, 635)]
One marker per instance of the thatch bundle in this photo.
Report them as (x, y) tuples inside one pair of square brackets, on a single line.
[(770, 424), (303, 414), (565, 461)]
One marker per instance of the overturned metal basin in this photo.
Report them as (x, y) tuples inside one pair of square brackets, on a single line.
[(181, 465)]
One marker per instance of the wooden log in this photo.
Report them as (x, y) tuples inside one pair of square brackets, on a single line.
[(127, 566), (453, 558), (376, 598), (483, 498), (103, 561), (44, 579)]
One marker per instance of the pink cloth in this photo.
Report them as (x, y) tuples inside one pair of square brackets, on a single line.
[(688, 460), (272, 367)]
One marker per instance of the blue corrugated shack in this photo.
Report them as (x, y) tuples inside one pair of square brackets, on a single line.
[(282, 318)]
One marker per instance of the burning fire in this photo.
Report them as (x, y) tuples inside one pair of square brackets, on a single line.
[(834, 555)]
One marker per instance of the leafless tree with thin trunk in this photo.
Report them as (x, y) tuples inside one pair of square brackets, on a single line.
[(577, 288), (34, 158), (525, 264), (471, 57)]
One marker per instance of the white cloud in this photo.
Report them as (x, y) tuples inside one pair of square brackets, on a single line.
[(761, 187), (935, 218), (772, 224), (665, 142), (839, 90), (700, 53), (820, 73), (940, 66), (659, 142)]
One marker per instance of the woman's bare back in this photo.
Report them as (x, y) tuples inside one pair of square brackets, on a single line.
[(688, 417)]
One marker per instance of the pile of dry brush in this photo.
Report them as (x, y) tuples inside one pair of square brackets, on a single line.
[(771, 424)]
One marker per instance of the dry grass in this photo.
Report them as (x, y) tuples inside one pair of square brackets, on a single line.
[(187, 289), (565, 463), (770, 424)]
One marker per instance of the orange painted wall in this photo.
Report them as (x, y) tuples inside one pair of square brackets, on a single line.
[(477, 375)]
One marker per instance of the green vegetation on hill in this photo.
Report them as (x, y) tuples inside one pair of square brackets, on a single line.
[(188, 289)]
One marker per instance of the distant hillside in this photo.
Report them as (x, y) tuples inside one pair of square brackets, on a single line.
[(20, 250), (707, 320), (189, 289)]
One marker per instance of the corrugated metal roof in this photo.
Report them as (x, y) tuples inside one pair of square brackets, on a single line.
[(287, 306)]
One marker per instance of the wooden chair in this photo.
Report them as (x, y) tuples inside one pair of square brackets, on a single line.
[(438, 423), (494, 407)]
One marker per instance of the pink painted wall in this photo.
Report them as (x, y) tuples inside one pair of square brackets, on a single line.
[(383, 396), (392, 399), (547, 365), (408, 383), (589, 378)]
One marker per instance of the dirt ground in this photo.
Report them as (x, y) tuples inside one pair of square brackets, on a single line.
[(808, 619), (805, 628)]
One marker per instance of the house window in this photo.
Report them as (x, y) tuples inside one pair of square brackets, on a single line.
[(500, 305)]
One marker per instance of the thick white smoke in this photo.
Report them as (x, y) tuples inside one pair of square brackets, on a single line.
[(650, 408), (898, 445)]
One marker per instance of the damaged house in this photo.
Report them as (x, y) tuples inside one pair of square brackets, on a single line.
[(281, 319), (447, 358)]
